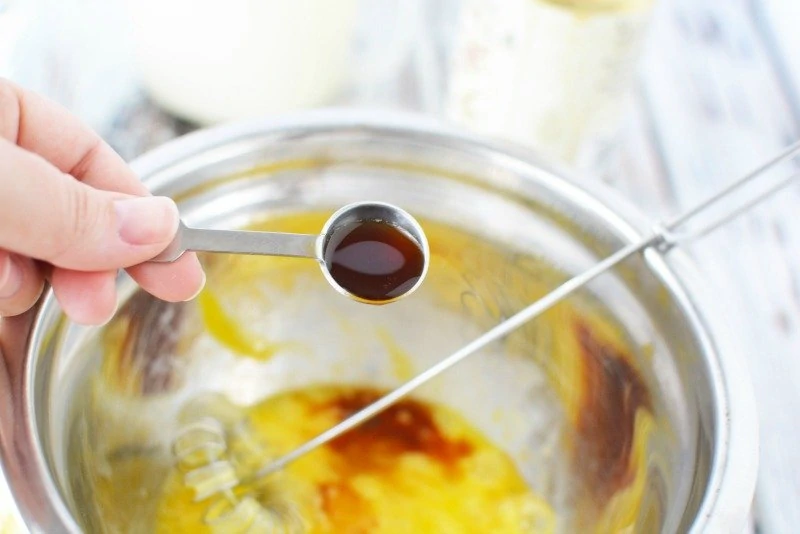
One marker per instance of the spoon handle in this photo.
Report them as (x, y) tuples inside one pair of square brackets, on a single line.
[(239, 242)]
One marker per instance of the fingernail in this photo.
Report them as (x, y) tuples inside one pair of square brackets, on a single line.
[(10, 277), (146, 220), (202, 286)]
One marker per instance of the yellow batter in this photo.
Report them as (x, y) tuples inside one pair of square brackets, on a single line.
[(416, 468)]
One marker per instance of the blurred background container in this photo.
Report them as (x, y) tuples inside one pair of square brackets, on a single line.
[(548, 73), (552, 74), (665, 101)]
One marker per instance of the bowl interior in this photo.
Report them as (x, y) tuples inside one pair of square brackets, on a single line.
[(603, 404)]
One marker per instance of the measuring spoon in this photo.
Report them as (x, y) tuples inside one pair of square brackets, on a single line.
[(372, 252)]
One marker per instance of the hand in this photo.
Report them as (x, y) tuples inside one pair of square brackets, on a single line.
[(73, 212)]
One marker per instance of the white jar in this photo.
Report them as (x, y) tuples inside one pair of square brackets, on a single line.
[(211, 61)]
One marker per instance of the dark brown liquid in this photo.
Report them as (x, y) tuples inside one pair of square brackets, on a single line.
[(613, 392), (377, 446), (374, 260), (406, 427)]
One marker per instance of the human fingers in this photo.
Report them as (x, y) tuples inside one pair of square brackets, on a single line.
[(49, 216), (43, 127), (88, 298), (174, 282), (21, 284)]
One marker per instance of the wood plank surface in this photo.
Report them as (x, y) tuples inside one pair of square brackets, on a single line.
[(719, 107)]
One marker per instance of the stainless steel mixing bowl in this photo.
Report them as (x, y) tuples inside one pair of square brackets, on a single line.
[(536, 395)]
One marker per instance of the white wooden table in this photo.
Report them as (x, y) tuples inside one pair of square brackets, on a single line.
[(717, 94)]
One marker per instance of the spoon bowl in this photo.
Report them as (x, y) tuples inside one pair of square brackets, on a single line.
[(387, 263)]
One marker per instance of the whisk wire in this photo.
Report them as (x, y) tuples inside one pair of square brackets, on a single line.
[(205, 452)]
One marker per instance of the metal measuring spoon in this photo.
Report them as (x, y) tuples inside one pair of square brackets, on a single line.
[(370, 251)]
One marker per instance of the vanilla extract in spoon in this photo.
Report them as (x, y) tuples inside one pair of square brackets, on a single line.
[(373, 252)]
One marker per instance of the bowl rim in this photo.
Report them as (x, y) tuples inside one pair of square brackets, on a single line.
[(728, 498)]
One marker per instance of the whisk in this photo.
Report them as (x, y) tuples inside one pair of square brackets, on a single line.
[(212, 456), (716, 210)]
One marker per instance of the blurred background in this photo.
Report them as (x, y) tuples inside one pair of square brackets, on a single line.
[(663, 100)]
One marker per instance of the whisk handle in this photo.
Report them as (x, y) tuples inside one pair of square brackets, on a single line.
[(728, 203)]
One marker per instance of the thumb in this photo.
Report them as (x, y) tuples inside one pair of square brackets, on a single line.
[(51, 216)]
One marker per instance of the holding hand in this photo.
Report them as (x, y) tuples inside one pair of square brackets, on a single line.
[(73, 212)]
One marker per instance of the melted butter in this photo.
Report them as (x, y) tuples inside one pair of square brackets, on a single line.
[(228, 332), (417, 467), (233, 279)]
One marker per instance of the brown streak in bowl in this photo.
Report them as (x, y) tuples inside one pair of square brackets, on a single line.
[(376, 446), (149, 345), (612, 393)]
